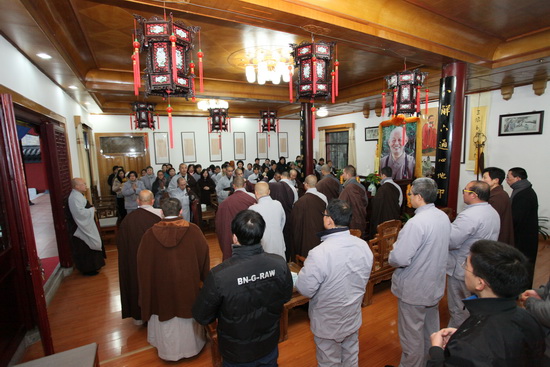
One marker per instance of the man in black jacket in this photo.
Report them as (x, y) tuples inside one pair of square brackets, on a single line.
[(525, 208), (498, 333), (246, 293)]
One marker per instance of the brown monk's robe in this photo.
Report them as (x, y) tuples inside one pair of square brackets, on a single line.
[(385, 206), (128, 238), (329, 186), (356, 195), (307, 221), (500, 201), (227, 210)]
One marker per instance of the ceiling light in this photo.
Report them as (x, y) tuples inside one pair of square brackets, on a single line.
[(73, 87), (44, 56), (86, 103), (322, 112), (210, 104), (268, 65)]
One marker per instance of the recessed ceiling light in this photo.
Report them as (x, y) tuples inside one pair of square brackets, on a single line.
[(44, 56), (73, 87)]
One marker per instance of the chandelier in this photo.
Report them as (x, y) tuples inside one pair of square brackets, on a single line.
[(268, 65)]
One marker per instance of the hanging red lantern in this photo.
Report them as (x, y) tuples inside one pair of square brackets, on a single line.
[(406, 89)]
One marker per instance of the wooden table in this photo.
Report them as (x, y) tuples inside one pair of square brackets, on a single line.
[(296, 300)]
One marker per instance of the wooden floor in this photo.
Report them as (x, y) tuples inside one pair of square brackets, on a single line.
[(87, 309)]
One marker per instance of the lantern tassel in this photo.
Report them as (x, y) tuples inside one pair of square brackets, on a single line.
[(427, 91), (200, 54), (336, 64), (170, 125), (417, 99), (268, 139), (313, 109), (333, 93), (290, 91), (383, 104)]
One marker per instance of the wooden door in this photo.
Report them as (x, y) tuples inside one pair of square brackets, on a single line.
[(119, 154), (22, 302)]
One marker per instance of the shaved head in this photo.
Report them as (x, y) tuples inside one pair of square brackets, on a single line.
[(311, 181), (146, 197), (238, 182), (78, 184), (261, 189)]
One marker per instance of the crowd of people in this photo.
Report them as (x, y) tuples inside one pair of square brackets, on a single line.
[(269, 213)]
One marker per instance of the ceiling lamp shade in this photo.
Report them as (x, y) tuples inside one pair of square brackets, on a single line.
[(313, 60), (405, 87), (168, 45), (267, 64), (143, 116), (208, 104)]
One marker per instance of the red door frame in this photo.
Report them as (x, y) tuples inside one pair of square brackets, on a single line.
[(20, 223)]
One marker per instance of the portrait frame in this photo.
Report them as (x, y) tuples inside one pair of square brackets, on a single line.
[(162, 150), (413, 147), (261, 145), (283, 144), (371, 133), (188, 147), (215, 145), (525, 123), (239, 145)]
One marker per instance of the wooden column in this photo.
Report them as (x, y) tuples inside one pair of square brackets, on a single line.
[(306, 136), (449, 135)]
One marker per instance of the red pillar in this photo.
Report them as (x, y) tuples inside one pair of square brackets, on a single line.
[(306, 137)]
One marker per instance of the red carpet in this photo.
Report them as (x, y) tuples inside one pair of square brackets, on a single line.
[(49, 264)]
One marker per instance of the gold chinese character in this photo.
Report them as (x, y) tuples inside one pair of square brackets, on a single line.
[(442, 175), (442, 160), (440, 192), (446, 109), (443, 145)]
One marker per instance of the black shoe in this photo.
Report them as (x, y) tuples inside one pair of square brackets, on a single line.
[(91, 273)]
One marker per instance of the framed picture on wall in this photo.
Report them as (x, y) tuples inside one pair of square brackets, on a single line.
[(215, 142), (283, 145), (162, 153), (526, 123), (261, 143), (371, 133), (188, 147), (239, 145)]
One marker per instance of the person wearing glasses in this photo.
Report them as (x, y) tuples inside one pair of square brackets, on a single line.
[(498, 333), (479, 221), (420, 256)]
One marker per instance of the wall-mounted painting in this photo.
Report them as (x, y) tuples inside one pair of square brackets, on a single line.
[(526, 123), (239, 145), (215, 143), (188, 146), (261, 143), (162, 153)]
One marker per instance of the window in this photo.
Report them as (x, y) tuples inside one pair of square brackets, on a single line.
[(337, 148)]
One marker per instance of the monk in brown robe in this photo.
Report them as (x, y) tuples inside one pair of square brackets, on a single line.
[(385, 204), (238, 201), (307, 218), (356, 195), (328, 184), (128, 238), (500, 201)]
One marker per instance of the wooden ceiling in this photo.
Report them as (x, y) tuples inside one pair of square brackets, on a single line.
[(504, 42)]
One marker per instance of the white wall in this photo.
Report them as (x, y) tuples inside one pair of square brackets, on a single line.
[(530, 151), (20, 75), (198, 125)]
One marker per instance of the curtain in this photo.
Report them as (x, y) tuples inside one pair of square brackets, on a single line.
[(352, 151), (322, 147)]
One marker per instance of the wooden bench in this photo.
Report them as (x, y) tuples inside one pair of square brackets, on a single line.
[(381, 246)]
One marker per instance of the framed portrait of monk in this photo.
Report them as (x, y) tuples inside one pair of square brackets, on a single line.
[(399, 147)]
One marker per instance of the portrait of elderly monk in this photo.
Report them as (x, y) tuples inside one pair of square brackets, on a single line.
[(401, 163)]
